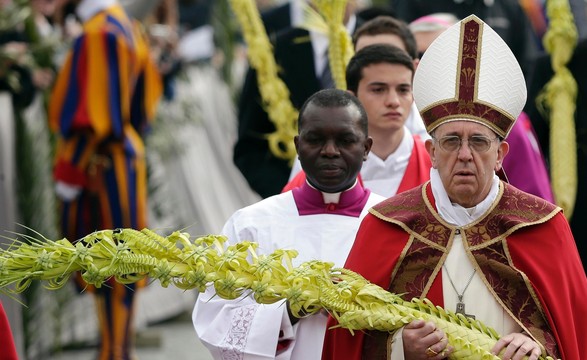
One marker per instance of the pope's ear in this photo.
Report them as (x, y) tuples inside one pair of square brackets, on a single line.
[(429, 144), (351, 92), (502, 151)]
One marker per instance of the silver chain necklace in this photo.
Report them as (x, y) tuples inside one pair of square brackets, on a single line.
[(460, 304)]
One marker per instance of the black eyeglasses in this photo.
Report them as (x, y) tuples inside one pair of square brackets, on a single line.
[(477, 143)]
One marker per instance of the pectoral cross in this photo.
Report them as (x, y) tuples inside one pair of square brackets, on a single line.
[(461, 308), (460, 303)]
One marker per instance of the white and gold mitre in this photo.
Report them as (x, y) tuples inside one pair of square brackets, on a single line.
[(469, 73)]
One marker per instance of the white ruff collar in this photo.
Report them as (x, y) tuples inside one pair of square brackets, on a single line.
[(453, 213), (88, 8)]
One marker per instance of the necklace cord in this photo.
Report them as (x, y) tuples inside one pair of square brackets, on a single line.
[(460, 296)]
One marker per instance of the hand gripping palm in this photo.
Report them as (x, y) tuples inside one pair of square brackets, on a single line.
[(130, 255)]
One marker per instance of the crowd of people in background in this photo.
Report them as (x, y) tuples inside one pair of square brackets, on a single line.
[(146, 113)]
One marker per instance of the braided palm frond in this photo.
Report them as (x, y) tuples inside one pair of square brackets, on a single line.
[(559, 97), (340, 48), (273, 90), (130, 255)]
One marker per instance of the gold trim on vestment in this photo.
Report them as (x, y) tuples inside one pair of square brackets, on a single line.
[(430, 237)]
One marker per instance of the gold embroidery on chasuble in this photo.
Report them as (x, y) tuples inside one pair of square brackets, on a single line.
[(427, 245), (485, 241), (417, 266)]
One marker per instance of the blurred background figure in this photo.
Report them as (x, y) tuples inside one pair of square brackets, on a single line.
[(103, 101), (141, 9), (427, 28), (196, 126), (302, 58), (506, 17), (541, 120), (8, 179), (26, 71)]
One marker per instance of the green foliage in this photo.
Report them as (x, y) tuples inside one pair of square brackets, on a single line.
[(129, 255), (225, 36), (14, 14)]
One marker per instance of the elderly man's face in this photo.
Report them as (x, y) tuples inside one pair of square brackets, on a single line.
[(466, 173)]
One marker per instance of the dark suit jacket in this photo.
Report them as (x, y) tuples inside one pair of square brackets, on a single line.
[(277, 19), (542, 72), (24, 93), (265, 173)]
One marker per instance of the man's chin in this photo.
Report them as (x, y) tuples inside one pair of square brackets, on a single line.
[(331, 185), (463, 193)]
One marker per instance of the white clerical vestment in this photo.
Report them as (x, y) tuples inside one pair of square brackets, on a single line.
[(243, 329)]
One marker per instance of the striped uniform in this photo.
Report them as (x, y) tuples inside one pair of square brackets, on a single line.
[(103, 100)]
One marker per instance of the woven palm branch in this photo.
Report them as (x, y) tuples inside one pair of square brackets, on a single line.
[(329, 18), (130, 255), (272, 89), (559, 97)]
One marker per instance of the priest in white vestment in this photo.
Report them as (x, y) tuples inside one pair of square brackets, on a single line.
[(319, 220)]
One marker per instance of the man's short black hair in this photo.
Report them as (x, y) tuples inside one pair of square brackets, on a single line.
[(374, 54), (389, 25), (333, 98)]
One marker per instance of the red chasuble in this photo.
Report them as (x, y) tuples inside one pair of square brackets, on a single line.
[(417, 172), (523, 246)]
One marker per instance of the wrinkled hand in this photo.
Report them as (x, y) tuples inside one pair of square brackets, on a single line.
[(422, 340), (517, 346)]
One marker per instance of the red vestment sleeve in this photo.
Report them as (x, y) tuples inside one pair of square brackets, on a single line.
[(296, 182), (7, 347), (418, 170), (547, 254)]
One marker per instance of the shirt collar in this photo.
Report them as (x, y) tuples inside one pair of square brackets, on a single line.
[(88, 8), (376, 168), (311, 201), (296, 12)]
